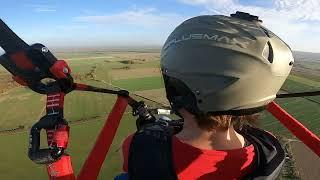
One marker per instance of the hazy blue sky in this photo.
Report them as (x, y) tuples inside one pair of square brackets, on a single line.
[(129, 23)]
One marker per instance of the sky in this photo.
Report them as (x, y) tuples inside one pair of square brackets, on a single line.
[(117, 23)]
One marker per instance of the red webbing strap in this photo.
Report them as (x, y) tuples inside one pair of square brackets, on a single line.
[(92, 166), (61, 169), (295, 127)]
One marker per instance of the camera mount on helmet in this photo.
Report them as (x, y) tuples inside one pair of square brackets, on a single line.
[(246, 16)]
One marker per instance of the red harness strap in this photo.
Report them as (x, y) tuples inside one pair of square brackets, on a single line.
[(295, 127), (61, 169)]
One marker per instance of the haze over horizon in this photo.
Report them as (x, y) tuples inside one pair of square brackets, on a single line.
[(114, 23)]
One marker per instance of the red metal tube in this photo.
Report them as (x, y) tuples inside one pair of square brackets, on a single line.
[(92, 166), (295, 127)]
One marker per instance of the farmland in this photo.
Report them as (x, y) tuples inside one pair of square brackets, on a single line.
[(136, 71)]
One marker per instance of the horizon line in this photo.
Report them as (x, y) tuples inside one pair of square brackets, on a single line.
[(126, 47)]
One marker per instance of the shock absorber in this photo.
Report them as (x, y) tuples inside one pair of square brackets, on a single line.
[(57, 132)]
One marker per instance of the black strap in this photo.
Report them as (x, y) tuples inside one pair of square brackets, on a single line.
[(269, 154), (9, 41)]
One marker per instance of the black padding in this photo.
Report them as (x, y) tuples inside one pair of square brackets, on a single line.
[(269, 154), (150, 156)]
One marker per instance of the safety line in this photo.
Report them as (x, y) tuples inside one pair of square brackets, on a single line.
[(117, 87)]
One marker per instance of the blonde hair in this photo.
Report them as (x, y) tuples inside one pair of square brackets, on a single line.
[(210, 121)]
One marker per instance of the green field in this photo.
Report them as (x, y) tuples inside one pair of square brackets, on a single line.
[(16, 165), (139, 84), (306, 110), (22, 107)]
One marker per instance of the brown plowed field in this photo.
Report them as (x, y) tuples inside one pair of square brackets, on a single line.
[(6, 82), (143, 56), (307, 162)]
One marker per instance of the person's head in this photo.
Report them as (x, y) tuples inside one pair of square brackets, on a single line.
[(223, 69)]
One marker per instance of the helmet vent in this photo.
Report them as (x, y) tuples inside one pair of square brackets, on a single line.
[(268, 52)]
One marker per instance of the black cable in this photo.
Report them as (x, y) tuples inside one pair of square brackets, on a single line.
[(162, 104), (84, 87), (304, 97), (300, 94)]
